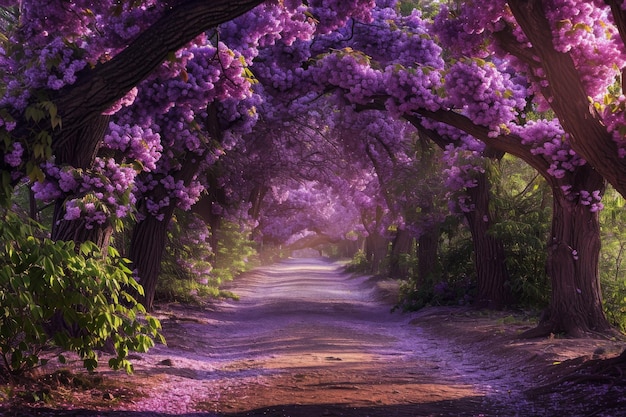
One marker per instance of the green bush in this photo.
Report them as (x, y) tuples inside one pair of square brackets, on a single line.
[(53, 294), (359, 263), (192, 270), (235, 252), (613, 258), (521, 202)]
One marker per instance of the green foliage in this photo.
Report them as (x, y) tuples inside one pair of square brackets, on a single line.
[(428, 8), (521, 202), (235, 252), (521, 209), (450, 285), (191, 270), (613, 258), (359, 263), (57, 294)]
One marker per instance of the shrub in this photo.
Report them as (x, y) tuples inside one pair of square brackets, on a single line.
[(55, 294), (191, 269)]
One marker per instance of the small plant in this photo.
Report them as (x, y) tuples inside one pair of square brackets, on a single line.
[(359, 263), (75, 298)]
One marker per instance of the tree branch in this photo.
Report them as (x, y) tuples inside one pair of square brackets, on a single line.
[(98, 88)]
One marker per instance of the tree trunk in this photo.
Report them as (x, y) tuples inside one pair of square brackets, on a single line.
[(400, 248), (375, 251), (146, 252), (427, 254), (573, 258), (80, 152), (489, 258), (348, 248)]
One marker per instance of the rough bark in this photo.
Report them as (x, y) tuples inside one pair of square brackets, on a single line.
[(489, 257), (150, 237), (569, 100), (573, 258), (146, 252), (82, 154), (427, 253), (400, 247)]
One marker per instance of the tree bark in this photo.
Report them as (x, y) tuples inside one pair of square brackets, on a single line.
[(573, 259), (150, 237), (567, 95), (146, 252), (427, 253), (375, 251), (85, 146), (400, 247), (489, 257)]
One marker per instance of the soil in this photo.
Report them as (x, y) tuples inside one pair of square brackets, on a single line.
[(307, 339)]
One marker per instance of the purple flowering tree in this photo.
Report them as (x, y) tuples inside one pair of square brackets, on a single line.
[(480, 96), (127, 104)]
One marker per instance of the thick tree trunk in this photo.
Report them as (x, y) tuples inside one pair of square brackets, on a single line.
[(401, 247), (491, 272), (573, 258), (146, 252), (375, 251), (150, 237), (80, 152)]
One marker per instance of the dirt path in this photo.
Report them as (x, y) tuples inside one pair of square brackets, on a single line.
[(308, 340)]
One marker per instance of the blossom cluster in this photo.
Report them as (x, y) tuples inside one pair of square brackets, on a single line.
[(412, 89), (96, 195), (484, 93), (466, 31), (350, 71), (585, 32), (547, 138)]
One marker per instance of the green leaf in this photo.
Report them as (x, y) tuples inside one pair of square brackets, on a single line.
[(49, 266)]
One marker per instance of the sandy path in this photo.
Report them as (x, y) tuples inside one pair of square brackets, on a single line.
[(306, 339)]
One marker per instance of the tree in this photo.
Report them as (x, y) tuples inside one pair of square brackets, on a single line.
[(484, 100), (91, 63), (56, 110)]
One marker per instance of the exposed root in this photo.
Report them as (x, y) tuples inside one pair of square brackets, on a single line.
[(608, 372)]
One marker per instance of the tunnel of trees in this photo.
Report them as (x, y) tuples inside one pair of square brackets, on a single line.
[(475, 153)]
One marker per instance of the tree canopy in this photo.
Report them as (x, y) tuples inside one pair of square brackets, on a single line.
[(309, 120)]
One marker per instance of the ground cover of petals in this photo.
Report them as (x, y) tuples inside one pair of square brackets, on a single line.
[(307, 339)]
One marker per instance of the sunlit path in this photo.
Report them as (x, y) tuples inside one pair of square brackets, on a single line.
[(306, 339)]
